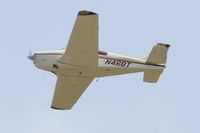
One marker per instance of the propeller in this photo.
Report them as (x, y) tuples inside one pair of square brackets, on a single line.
[(31, 55), (30, 52), (97, 79)]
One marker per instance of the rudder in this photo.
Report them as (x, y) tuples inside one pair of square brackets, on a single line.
[(158, 54)]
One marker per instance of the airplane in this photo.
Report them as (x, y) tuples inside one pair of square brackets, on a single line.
[(81, 62)]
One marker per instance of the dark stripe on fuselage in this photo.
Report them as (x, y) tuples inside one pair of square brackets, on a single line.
[(102, 52)]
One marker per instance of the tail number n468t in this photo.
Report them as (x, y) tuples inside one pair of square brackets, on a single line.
[(117, 63)]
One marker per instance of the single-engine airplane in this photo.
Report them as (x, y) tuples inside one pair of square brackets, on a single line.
[(78, 64)]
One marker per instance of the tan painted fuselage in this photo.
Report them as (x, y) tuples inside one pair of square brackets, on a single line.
[(109, 64)]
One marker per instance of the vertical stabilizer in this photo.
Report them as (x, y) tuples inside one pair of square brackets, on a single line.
[(157, 56)]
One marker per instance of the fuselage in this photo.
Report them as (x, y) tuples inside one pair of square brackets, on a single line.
[(108, 64)]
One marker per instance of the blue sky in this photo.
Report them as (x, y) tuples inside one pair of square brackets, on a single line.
[(113, 104)]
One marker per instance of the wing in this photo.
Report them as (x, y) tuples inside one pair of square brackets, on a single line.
[(68, 90), (82, 49)]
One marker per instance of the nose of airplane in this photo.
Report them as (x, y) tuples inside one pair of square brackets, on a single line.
[(31, 56)]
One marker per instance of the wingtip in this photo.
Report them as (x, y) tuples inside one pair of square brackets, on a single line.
[(57, 108), (85, 13)]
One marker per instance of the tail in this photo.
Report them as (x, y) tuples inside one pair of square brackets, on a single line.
[(157, 56)]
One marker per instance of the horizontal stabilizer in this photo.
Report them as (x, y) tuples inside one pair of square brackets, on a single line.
[(152, 76)]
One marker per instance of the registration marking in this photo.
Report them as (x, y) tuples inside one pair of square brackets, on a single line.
[(118, 63)]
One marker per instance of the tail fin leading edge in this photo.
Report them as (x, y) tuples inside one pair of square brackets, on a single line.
[(158, 55)]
